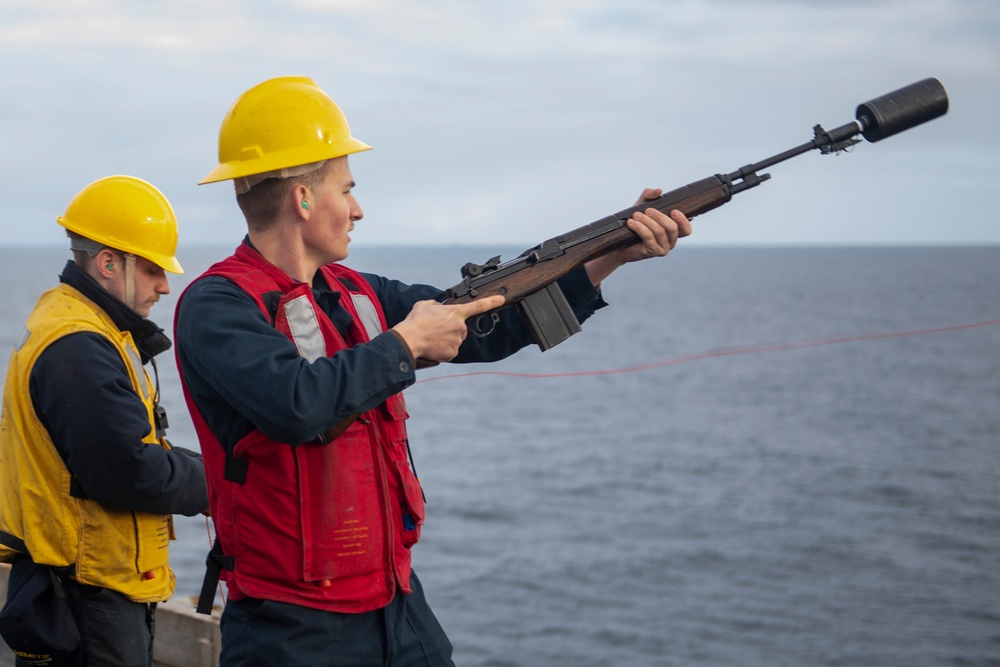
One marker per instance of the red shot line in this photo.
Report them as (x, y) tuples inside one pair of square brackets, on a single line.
[(732, 351)]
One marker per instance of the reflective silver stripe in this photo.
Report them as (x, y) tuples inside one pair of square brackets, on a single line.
[(368, 314), (22, 339), (140, 372), (304, 327)]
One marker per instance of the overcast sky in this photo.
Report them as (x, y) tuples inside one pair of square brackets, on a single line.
[(510, 122)]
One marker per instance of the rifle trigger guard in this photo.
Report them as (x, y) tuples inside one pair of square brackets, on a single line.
[(477, 329)]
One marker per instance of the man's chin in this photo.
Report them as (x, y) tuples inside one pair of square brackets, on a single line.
[(339, 256)]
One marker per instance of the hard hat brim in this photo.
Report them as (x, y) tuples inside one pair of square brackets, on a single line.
[(228, 171)]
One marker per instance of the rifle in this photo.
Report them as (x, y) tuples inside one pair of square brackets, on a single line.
[(529, 281)]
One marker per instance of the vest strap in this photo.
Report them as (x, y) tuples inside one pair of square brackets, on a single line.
[(215, 563), (236, 469), (13, 542)]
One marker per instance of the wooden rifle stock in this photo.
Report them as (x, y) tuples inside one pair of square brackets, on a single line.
[(550, 261), (528, 282)]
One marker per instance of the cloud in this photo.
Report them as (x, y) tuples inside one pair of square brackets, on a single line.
[(506, 123)]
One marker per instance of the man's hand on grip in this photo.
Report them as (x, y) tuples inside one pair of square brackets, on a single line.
[(434, 331)]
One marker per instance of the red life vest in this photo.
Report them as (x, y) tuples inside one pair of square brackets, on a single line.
[(327, 526)]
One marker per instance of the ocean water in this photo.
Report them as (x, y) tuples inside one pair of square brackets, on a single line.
[(753, 457)]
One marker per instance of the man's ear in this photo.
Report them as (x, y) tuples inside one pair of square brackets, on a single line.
[(105, 263), (301, 197)]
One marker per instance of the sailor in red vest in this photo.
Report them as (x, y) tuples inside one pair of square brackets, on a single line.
[(292, 367)]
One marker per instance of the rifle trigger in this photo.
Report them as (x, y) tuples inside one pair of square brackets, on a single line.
[(477, 329)]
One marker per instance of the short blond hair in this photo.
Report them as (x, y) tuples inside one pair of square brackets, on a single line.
[(262, 203)]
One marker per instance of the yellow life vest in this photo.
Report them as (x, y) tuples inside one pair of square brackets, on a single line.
[(121, 550)]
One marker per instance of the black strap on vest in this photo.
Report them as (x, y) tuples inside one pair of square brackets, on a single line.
[(17, 544), (271, 301), (13, 542), (215, 564), (348, 283), (235, 469)]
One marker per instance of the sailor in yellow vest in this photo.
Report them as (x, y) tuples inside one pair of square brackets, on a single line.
[(88, 482)]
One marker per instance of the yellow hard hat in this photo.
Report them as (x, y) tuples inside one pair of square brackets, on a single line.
[(128, 214), (281, 123)]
